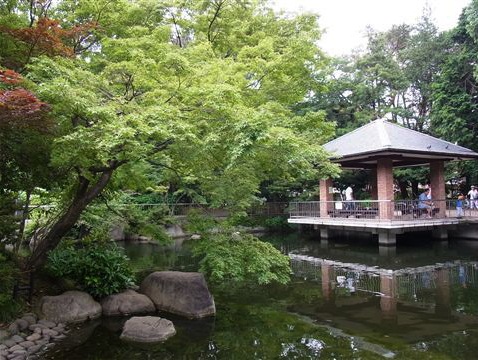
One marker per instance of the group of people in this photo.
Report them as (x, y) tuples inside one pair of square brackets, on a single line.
[(473, 201), (425, 203)]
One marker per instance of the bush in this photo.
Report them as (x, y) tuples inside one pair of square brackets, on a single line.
[(99, 269), (277, 223), (8, 307), (241, 258), (199, 223)]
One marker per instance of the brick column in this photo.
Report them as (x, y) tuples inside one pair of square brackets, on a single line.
[(437, 182), (326, 195), (385, 187)]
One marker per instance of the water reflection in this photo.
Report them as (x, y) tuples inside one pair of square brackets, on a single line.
[(402, 295)]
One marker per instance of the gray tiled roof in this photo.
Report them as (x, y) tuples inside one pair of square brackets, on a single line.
[(382, 136)]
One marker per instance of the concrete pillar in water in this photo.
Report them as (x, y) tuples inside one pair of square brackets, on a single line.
[(387, 237)]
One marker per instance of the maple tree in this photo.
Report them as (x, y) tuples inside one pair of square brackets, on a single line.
[(45, 37)]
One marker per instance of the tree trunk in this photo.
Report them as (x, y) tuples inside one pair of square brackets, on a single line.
[(414, 189), (85, 194)]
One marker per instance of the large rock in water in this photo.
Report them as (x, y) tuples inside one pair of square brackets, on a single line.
[(147, 329), (69, 307), (128, 302), (181, 293)]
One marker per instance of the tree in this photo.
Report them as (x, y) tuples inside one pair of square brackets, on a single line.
[(455, 93), (204, 89)]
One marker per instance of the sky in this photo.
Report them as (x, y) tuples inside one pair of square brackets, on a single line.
[(345, 21)]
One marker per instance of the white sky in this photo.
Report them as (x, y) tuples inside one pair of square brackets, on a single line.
[(344, 21)]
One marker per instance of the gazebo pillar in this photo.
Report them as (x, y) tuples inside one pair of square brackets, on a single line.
[(385, 188), (326, 197), (437, 182)]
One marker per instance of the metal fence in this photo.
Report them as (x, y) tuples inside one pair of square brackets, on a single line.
[(380, 209)]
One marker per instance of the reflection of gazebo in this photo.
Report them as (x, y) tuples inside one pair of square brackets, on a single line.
[(380, 146)]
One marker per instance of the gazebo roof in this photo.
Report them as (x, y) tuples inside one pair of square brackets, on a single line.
[(362, 147)]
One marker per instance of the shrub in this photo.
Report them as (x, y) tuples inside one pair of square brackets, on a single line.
[(8, 307), (276, 223), (241, 258), (199, 223), (99, 269)]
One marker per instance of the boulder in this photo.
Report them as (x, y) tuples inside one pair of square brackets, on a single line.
[(69, 307), (147, 329), (175, 231), (181, 293), (128, 302)]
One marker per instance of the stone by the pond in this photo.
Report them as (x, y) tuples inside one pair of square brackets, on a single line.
[(9, 343), (128, 302), (181, 293), (30, 318), (34, 337), (13, 329), (17, 338), (22, 324), (147, 329), (69, 307), (47, 323)]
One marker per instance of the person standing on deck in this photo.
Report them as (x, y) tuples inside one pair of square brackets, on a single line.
[(473, 196), (459, 206), (349, 197)]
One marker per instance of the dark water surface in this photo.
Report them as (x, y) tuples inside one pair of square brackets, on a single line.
[(348, 299)]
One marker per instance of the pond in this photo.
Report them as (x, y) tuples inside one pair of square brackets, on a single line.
[(348, 299)]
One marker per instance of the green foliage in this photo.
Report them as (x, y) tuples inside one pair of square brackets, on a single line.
[(99, 269), (8, 307), (8, 222), (199, 222), (241, 258), (276, 223)]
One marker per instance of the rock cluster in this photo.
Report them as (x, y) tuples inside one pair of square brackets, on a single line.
[(30, 336), (180, 293)]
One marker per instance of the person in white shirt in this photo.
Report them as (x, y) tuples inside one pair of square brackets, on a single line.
[(349, 197), (473, 196)]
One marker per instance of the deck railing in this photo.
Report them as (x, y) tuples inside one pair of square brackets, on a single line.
[(378, 209)]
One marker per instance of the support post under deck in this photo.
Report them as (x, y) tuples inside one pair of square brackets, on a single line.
[(387, 237), (440, 233)]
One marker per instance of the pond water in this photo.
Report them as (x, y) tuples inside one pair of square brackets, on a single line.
[(348, 299)]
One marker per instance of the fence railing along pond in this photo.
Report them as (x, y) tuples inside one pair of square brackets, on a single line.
[(379, 209)]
